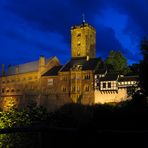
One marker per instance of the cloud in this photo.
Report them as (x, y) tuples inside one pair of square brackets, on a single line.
[(32, 27)]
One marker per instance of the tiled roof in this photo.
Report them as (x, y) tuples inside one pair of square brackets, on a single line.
[(109, 77), (85, 64), (128, 78), (24, 68), (53, 71), (100, 71)]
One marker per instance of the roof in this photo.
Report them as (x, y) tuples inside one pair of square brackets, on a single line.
[(109, 77), (83, 62), (128, 78), (100, 71), (24, 68), (53, 71)]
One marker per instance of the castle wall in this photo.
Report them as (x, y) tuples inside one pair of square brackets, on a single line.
[(110, 96)]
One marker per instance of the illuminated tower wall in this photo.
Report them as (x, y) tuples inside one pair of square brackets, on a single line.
[(83, 41)]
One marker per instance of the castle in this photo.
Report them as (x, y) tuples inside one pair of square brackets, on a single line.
[(82, 79)]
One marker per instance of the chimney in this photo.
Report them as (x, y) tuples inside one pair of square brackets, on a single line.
[(3, 69)]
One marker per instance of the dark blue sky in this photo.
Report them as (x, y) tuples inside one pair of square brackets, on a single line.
[(30, 28)]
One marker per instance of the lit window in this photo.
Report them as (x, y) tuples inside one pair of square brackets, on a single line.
[(50, 81)]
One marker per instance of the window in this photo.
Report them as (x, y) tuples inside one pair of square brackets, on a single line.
[(30, 78), (109, 85), (86, 77), (50, 81), (18, 79), (7, 90), (13, 80), (79, 34), (3, 90), (64, 89), (78, 88), (12, 90), (73, 89), (104, 85), (86, 88)]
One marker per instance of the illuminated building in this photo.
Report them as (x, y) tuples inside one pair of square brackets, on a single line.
[(81, 80)]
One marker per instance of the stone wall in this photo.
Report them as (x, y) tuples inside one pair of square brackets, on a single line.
[(110, 96)]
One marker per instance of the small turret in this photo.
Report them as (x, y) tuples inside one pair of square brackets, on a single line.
[(42, 63)]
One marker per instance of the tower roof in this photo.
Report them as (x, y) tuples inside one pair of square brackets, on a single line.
[(84, 24)]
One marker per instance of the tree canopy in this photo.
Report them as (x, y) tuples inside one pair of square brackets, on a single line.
[(117, 62), (144, 66)]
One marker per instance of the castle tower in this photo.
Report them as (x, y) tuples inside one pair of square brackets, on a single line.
[(83, 41)]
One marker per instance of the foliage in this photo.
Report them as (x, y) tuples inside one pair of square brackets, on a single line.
[(117, 62), (25, 117), (15, 118), (144, 66), (134, 69)]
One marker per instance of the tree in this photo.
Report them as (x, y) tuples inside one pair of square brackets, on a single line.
[(144, 66), (117, 62), (134, 69)]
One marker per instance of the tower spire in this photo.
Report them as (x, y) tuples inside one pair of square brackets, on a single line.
[(83, 18)]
